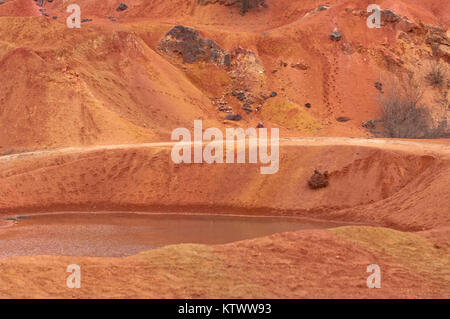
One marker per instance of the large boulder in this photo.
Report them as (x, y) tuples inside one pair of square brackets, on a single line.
[(191, 46)]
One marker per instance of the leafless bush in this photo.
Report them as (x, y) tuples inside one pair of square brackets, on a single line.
[(403, 114), (437, 74)]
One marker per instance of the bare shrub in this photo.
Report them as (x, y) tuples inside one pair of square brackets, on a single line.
[(437, 74), (441, 130), (403, 115), (245, 6)]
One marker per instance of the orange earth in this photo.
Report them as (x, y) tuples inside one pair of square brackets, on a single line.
[(86, 117)]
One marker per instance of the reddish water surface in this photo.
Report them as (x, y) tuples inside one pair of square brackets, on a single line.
[(124, 234)]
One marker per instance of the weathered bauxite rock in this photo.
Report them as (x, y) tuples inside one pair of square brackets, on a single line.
[(243, 66), (318, 180), (335, 35), (191, 46), (233, 117), (343, 119), (122, 7), (244, 4)]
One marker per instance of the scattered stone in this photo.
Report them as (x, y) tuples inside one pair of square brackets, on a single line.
[(112, 19), (86, 20), (336, 35), (273, 94), (233, 117), (241, 96), (379, 86), (283, 64), (342, 119), (323, 7), (260, 125), (55, 17), (318, 180), (225, 109), (122, 7), (300, 66), (1, 2), (308, 105), (247, 108)]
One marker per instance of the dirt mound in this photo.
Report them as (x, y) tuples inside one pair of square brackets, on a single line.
[(19, 8), (108, 71), (144, 178), (239, 270)]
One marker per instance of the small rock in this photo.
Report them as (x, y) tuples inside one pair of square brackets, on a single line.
[(122, 7), (336, 35), (343, 119), (379, 86), (318, 180), (247, 108), (300, 66), (273, 94), (323, 7), (308, 105), (233, 117), (260, 125), (241, 96)]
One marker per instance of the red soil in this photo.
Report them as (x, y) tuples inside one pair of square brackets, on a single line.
[(76, 106)]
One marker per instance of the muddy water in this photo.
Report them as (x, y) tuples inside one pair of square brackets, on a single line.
[(124, 234)]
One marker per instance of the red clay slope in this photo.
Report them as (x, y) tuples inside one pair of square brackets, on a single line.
[(108, 83)]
